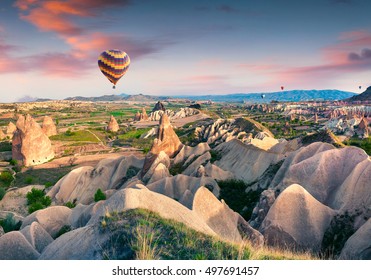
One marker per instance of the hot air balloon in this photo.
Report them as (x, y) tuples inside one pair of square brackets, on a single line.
[(262, 96), (282, 87), (113, 64), (360, 87)]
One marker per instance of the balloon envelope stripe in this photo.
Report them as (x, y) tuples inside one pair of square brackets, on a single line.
[(113, 64)]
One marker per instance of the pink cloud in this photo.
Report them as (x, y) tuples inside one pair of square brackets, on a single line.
[(57, 16)]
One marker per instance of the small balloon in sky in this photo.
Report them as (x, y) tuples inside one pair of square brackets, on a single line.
[(262, 96), (360, 87), (282, 87), (113, 64)]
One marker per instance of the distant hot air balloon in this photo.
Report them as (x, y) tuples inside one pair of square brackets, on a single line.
[(360, 87), (262, 96), (282, 87), (113, 64)]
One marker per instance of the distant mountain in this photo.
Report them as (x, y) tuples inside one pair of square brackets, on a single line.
[(26, 98), (292, 95), (366, 95), (122, 96)]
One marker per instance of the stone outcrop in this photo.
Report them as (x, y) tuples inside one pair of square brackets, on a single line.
[(296, 220), (37, 236), (358, 246), (14, 246), (243, 129), (49, 127), (234, 160), (11, 128), (166, 141), (141, 116), (52, 219), (30, 146), (2, 134), (82, 183), (183, 188), (159, 107), (113, 126)]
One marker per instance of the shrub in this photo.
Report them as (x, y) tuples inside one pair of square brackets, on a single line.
[(13, 162), (70, 204), (215, 155), (6, 177), (63, 230), (2, 193), (28, 180), (10, 224), (234, 194), (36, 200), (99, 195)]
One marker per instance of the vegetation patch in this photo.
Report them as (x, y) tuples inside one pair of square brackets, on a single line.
[(46, 176), (5, 146), (340, 229), (77, 136), (233, 192), (365, 144), (10, 224), (99, 195), (2, 192), (176, 169), (6, 178), (215, 155), (140, 234), (36, 200)]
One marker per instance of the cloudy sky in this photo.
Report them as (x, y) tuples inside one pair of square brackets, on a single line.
[(50, 48)]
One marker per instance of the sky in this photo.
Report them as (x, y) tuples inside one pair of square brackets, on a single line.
[(49, 49)]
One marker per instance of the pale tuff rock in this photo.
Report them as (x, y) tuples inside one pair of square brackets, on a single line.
[(14, 246), (37, 236), (187, 152), (141, 116), (246, 162), (166, 141), (217, 215), (179, 114), (30, 146), (243, 129), (152, 132), (10, 129), (296, 220), (52, 219), (49, 127), (113, 126), (2, 134), (183, 188), (81, 184), (358, 246)]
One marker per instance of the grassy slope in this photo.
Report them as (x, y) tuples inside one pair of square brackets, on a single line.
[(140, 234)]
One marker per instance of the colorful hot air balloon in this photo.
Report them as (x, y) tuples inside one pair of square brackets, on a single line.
[(113, 64), (262, 96), (282, 87)]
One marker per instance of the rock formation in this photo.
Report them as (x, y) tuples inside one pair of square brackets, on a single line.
[(49, 127), (10, 129), (2, 134), (166, 141), (81, 183), (141, 116), (113, 126), (159, 107), (30, 146), (296, 220)]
